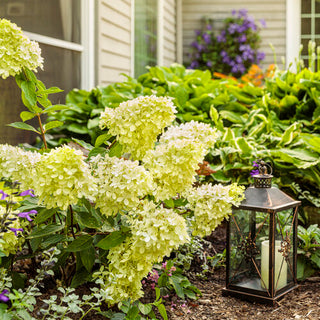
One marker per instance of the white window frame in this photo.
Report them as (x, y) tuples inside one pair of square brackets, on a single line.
[(293, 31), (160, 34), (86, 48)]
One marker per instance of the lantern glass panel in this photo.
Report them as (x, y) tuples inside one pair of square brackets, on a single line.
[(283, 249), (248, 229)]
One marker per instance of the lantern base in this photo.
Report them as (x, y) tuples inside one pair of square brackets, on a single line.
[(254, 297)]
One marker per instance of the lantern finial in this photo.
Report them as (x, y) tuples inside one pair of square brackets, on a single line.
[(263, 179)]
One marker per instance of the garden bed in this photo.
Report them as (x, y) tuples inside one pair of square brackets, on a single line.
[(302, 303)]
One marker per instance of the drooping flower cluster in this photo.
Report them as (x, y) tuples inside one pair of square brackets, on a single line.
[(121, 184), (197, 131), (155, 233), (174, 160), (10, 241), (17, 164), (138, 122), (211, 204), (233, 50), (173, 166), (62, 178), (16, 50)]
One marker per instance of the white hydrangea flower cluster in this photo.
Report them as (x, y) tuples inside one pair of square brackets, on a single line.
[(17, 164), (16, 50), (9, 242), (155, 233), (62, 178), (121, 184), (193, 130), (211, 204), (173, 166), (138, 122)]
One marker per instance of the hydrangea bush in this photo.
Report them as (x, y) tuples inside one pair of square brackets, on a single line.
[(123, 207), (233, 50)]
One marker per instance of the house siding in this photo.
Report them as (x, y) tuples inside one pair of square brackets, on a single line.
[(272, 11), (169, 32), (114, 20)]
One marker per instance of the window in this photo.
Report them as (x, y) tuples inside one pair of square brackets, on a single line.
[(310, 25), (60, 28), (145, 33)]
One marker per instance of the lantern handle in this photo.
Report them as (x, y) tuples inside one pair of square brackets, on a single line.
[(263, 167)]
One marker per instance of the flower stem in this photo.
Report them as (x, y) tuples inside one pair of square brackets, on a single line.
[(71, 221), (42, 132)]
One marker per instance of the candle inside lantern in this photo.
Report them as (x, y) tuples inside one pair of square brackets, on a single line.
[(279, 261)]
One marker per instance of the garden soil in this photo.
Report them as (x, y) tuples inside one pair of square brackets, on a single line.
[(301, 303)]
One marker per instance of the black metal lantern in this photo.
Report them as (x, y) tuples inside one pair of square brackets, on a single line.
[(262, 243)]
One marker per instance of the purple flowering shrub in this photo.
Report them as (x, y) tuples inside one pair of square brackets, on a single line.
[(233, 50)]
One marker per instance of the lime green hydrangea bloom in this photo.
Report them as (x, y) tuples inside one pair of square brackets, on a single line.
[(211, 204), (193, 130), (9, 242), (121, 184), (155, 233), (62, 178), (173, 166), (17, 164), (16, 50), (138, 122)]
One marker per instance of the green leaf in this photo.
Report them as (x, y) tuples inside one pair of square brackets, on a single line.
[(55, 107), (44, 215), (289, 134), (157, 293), (190, 294), (45, 231), (118, 316), (132, 313), (26, 115), (214, 115), (81, 243), (101, 139), (232, 116), (83, 144), (51, 240), (87, 219), (175, 281), (23, 126), (52, 124), (78, 128), (49, 90), (221, 177), (93, 123), (115, 150), (169, 203), (29, 90), (18, 280), (145, 308), (289, 101), (316, 259), (301, 158), (24, 314), (88, 258), (244, 146), (35, 243), (80, 277), (181, 94), (112, 240), (95, 151), (163, 311)]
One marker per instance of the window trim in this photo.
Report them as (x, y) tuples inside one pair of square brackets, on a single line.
[(293, 31), (86, 48)]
